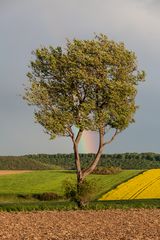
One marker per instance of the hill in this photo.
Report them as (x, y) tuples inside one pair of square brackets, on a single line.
[(125, 160), (23, 163), (66, 161)]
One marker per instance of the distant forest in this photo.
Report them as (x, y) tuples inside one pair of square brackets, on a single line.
[(66, 161)]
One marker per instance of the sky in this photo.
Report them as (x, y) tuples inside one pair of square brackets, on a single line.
[(28, 24)]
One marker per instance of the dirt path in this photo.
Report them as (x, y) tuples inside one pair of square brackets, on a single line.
[(7, 172), (88, 225)]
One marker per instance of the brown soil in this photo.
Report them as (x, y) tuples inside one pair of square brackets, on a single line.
[(88, 225), (7, 172)]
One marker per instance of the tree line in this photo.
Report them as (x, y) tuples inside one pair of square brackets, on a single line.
[(67, 161)]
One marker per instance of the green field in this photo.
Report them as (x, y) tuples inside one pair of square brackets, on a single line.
[(52, 181)]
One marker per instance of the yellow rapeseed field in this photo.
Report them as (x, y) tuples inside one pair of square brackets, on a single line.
[(145, 185)]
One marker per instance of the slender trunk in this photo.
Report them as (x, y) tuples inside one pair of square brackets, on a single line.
[(77, 163), (76, 154), (80, 177)]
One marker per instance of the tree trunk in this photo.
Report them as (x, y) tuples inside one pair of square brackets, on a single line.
[(77, 163), (80, 202), (81, 175), (93, 165)]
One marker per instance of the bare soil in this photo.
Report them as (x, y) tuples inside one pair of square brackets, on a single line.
[(7, 172), (140, 224)]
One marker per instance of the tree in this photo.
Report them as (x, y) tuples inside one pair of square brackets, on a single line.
[(90, 85)]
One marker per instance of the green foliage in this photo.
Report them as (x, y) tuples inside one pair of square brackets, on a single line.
[(66, 161), (105, 170), (82, 193), (38, 206), (23, 163), (46, 196), (70, 189), (125, 204), (94, 205), (89, 84), (24, 196), (124, 160)]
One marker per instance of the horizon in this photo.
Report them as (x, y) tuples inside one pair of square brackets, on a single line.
[(71, 153)]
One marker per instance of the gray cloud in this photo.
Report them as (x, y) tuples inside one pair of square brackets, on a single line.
[(27, 24), (151, 6), (154, 2)]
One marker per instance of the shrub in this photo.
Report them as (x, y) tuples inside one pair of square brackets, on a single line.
[(109, 170), (47, 196), (24, 196), (80, 194)]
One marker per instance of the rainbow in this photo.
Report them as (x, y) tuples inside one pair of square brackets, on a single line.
[(88, 142)]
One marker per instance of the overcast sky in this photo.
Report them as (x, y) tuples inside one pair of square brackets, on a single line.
[(29, 24)]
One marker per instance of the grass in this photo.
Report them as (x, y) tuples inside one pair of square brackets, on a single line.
[(47, 181), (106, 183), (34, 182), (95, 205), (52, 181), (40, 206), (125, 204)]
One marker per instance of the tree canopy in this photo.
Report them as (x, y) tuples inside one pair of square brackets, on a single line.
[(90, 85)]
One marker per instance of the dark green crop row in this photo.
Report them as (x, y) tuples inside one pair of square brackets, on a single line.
[(66, 206)]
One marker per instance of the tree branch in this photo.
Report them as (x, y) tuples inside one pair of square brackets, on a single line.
[(71, 133), (93, 165), (79, 135), (112, 138), (76, 154)]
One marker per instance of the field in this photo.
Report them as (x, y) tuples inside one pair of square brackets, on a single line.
[(141, 224), (106, 224), (16, 190), (143, 186), (52, 181), (8, 172)]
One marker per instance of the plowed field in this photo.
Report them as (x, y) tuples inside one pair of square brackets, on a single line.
[(8, 172), (77, 225)]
